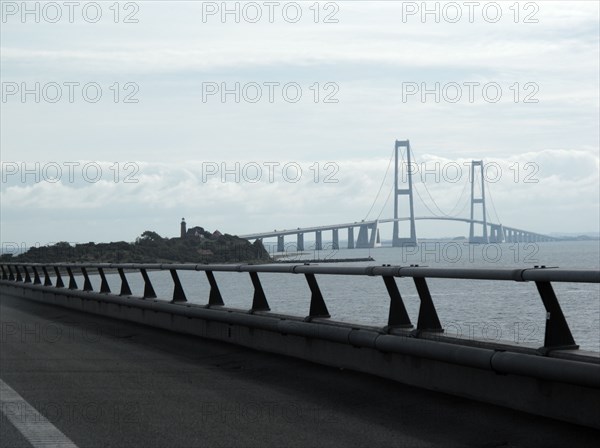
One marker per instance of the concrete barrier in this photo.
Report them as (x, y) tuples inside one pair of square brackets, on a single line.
[(514, 377)]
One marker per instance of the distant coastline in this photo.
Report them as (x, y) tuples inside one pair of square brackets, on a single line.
[(199, 247)]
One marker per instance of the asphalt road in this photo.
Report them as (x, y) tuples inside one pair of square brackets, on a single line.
[(105, 383)]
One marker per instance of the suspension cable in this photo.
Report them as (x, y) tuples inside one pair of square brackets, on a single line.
[(489, 190), (460, 197), (386, 201), (430, 196), (381, 186), (425, 204)]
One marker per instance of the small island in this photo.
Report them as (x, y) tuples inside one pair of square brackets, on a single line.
[(194, 245)]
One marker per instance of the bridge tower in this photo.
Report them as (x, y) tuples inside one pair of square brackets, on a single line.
[(478, 200), (412, 239)]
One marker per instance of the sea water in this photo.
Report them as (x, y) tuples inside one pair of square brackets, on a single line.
[(478, 309)]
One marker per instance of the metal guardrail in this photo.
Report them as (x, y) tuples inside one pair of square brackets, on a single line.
[(557, 333)]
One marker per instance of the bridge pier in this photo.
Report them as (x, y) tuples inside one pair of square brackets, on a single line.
[(335, 240), (479, 240), (280, 243), (374, 239), (350, 237), (318, 240), (368, 240), (497, 234), (508, 235), (300, 242), (404, 242), (363, 237)]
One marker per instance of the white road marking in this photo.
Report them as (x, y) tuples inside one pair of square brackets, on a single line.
[(34, 426)]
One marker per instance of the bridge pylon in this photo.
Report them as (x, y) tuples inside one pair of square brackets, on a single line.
[(411, 240), (484, 238)]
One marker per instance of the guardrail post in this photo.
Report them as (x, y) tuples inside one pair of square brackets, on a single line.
[(103, 283), (214, 298), (398, 316), (59, 281), (72, 282), (148, 289), (178, 294), (27, 276), (19, 278), (259, 301), (317, 303), (36, 276), (428, 318), (47, 280), (125, 289), (87, 285), (557, 333)]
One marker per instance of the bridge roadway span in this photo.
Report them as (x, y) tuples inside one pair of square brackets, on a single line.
[(368, 235), (106, 383)]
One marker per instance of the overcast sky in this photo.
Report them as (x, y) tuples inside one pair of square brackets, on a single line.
[(174, 93)]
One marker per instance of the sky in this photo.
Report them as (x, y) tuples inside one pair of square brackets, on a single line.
[(253, 116)]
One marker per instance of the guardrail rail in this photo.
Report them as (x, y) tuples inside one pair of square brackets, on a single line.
[(557, 332)]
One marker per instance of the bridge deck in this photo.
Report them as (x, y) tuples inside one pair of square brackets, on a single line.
[(288, 232), (113, 384)]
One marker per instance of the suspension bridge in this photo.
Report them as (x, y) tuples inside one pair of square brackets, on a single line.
[(481, 229)]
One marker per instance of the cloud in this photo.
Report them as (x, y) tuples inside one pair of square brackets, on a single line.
[(364, 35), (244, 196)]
